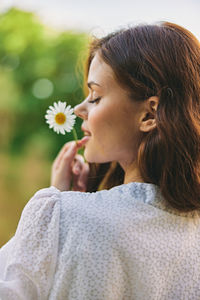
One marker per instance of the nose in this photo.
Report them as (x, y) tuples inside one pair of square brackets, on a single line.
[(81, 111)]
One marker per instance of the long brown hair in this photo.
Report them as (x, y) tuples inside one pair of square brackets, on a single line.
[(163, 60)]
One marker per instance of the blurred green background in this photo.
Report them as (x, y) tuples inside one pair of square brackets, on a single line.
[(37, 67)]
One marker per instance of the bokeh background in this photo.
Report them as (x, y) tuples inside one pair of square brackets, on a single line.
[(43, 46)]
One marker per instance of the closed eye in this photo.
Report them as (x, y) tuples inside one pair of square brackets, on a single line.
[(95, 100)]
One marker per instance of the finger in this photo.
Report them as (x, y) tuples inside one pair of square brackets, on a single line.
[(83, 178), (68, 158), (62, 152), (78, 143), (77, 168), (77, 164), (82, 142), (80, 181), (76, 185), (78, 159)]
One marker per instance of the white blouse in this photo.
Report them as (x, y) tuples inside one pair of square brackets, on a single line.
[(119, 244)]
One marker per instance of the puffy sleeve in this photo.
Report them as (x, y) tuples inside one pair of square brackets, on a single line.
[(28, 260)]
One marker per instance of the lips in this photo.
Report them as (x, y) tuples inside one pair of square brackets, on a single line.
[(85, 139), (86, 132)]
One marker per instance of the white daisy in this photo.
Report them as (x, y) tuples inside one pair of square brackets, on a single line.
[(60, 117)]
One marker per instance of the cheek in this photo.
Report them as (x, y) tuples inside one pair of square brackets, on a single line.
[(98, 121), (101, 127)]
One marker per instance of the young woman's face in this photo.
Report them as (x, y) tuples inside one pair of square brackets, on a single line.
[(112, 121)]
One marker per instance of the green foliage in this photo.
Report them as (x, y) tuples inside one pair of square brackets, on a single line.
[(37, 67)]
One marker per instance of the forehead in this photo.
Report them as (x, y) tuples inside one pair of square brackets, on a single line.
[(101, 73)]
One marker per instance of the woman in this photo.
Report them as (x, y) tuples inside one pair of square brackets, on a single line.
[(136, 235)]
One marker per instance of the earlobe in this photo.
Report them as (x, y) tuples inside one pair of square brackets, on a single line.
[(148, 120), (148, 125)]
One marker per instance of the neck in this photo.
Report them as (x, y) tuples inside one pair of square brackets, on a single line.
[(132, 173), (133, 177)]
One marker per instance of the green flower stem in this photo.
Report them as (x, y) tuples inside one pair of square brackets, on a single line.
[(80, 151), (75, 134), (76, 139)]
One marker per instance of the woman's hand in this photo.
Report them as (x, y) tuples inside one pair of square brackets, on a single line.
[(69, 167)]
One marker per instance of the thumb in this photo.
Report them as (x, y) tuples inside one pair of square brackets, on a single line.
[(69, 155)]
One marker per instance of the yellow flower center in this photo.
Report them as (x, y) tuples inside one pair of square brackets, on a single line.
[(60, 118)]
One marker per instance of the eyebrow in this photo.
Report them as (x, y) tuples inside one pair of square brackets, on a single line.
[(89, 84)]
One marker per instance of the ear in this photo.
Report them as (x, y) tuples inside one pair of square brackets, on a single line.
[(148, 121)]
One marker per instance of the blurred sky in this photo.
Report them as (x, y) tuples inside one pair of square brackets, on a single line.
[(102, 16)]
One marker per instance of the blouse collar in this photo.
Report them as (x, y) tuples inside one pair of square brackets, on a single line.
[(151, 194)]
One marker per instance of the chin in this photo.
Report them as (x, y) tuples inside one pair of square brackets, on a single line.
[(94, 158)]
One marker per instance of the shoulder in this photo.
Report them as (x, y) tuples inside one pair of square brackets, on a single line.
[(41, 210), (84, 210), (32, 252), (48, 205), (46, 193), (43, 197), (47, 199), (124, 195), (91, 200)]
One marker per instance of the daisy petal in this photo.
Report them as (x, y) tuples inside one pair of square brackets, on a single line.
[(60, 117)]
